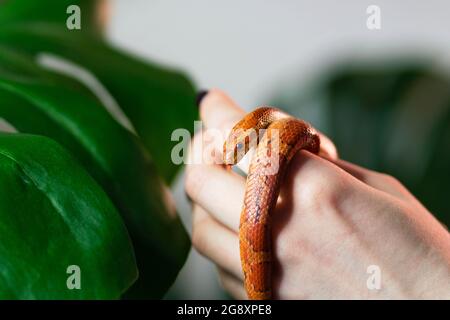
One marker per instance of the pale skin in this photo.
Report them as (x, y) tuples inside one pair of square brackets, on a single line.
[(334, 220)]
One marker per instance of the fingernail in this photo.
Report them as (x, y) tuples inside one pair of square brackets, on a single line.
[(200, 95)]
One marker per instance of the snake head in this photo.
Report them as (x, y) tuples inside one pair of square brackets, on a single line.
[(246, 134)]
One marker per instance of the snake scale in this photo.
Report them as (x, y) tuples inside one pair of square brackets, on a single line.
[(278, 138)]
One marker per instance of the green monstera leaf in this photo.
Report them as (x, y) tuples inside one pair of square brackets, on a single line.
[(55, 11), (55, 217), (133, 164), (155, 100), (115, 158)]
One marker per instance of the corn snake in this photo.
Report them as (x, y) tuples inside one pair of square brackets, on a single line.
[(278, 138)]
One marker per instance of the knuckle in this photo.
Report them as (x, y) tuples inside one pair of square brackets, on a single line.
[(336, 189), (389, 179), (330, 192), (324, 188)]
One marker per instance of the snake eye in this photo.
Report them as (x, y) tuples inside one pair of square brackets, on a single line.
[(239, 146)]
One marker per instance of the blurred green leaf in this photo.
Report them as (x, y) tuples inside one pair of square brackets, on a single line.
[(114, 157), (55, 11), (54, 215), (155, 100), (392, 118), (17, 65)]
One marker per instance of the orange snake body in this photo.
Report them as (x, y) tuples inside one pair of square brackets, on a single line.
[(277, 133)]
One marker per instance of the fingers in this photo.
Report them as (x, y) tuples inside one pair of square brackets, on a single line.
[(327, 148), (217, 191), (221, 193), (232, 285), (220, 112), (379, 181), (216, 242)]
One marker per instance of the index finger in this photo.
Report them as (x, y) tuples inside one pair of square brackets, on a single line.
[(219, 112)]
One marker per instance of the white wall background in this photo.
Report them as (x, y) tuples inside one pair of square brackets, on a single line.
[(251, 47)]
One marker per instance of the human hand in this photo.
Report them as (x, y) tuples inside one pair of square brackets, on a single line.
[(336, 219)]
